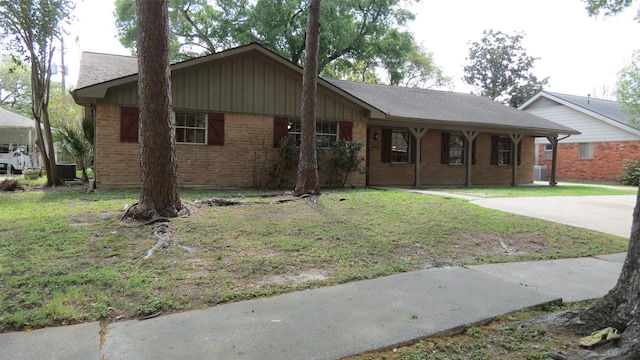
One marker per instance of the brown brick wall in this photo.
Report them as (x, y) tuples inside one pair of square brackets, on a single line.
[(243, 161), (433, 173), (606, 164)]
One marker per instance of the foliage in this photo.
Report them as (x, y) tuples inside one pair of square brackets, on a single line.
[(88, 129), (608, 7), (286, 161), (630, 173), (15, 86), (30, 30), (499, 68), (343, 161), (628, 87), (73, 142), (357, 38), (62, 108), (197, 26)]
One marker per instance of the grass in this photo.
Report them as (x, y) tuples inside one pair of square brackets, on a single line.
[(559, 190), (65, 258)]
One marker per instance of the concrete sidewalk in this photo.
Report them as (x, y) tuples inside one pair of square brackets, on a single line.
[(330, 322)]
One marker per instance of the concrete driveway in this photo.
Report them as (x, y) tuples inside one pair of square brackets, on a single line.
[(607, 214)]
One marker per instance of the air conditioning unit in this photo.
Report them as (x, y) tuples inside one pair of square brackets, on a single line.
[(540, 172)]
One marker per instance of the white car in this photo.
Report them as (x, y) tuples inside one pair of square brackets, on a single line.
[(16, 159)]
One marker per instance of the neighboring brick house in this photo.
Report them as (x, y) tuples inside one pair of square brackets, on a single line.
[(606, 137), (232, 107)]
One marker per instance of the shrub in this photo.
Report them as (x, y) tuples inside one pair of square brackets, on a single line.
[(344, 160), (630, 173)]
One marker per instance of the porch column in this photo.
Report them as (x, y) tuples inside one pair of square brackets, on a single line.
[(418, 133), (515, 138), (470, 136), (554, 159)]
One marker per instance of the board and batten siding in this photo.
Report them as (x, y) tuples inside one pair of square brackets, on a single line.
[(249, 84), (592, 129)]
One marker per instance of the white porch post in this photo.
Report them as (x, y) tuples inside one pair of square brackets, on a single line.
[(515, 138), (470, 136), (418, 133)]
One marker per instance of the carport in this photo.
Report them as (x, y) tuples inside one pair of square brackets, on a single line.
[(15, 131)]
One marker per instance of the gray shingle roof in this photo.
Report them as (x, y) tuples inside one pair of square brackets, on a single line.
[(96, 68), (414, 103), (607, 108), (9, 119), (397, 102)]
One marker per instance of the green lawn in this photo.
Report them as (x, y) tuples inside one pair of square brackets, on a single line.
[(559, 190), (65, 257)]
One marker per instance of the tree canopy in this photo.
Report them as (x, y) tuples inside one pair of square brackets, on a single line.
[(608, 7), (15, 85), (31, 30), (499, 68), (628, 86), (358, 37)]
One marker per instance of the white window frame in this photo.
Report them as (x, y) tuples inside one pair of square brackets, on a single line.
[(548, 151), (191, 125), (585, 151), (457, 152), (326, 133), (505, 151), (400, 146)]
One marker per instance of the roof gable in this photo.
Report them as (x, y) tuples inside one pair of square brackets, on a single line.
[(604, 110)]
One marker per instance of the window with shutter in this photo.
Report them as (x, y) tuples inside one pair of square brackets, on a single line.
[(326, 133), (190, 128)]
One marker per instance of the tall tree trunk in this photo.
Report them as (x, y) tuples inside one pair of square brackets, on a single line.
[(158, 165), (40, 81), (308, 180)]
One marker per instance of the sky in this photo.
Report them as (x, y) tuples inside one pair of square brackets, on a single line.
[(580, 54)]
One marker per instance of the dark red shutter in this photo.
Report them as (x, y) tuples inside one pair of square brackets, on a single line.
[(445, 147), (495, 149), (385, 149), (129, 120), (215, 130), (346, 131), (280, 129)]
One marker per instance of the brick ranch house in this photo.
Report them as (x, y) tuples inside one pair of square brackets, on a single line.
[(233, 106), (606, 137)]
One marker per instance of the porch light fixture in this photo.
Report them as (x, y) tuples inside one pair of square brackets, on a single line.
[(375, 136)]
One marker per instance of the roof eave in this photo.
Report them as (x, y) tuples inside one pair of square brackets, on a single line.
[(460, 126)]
